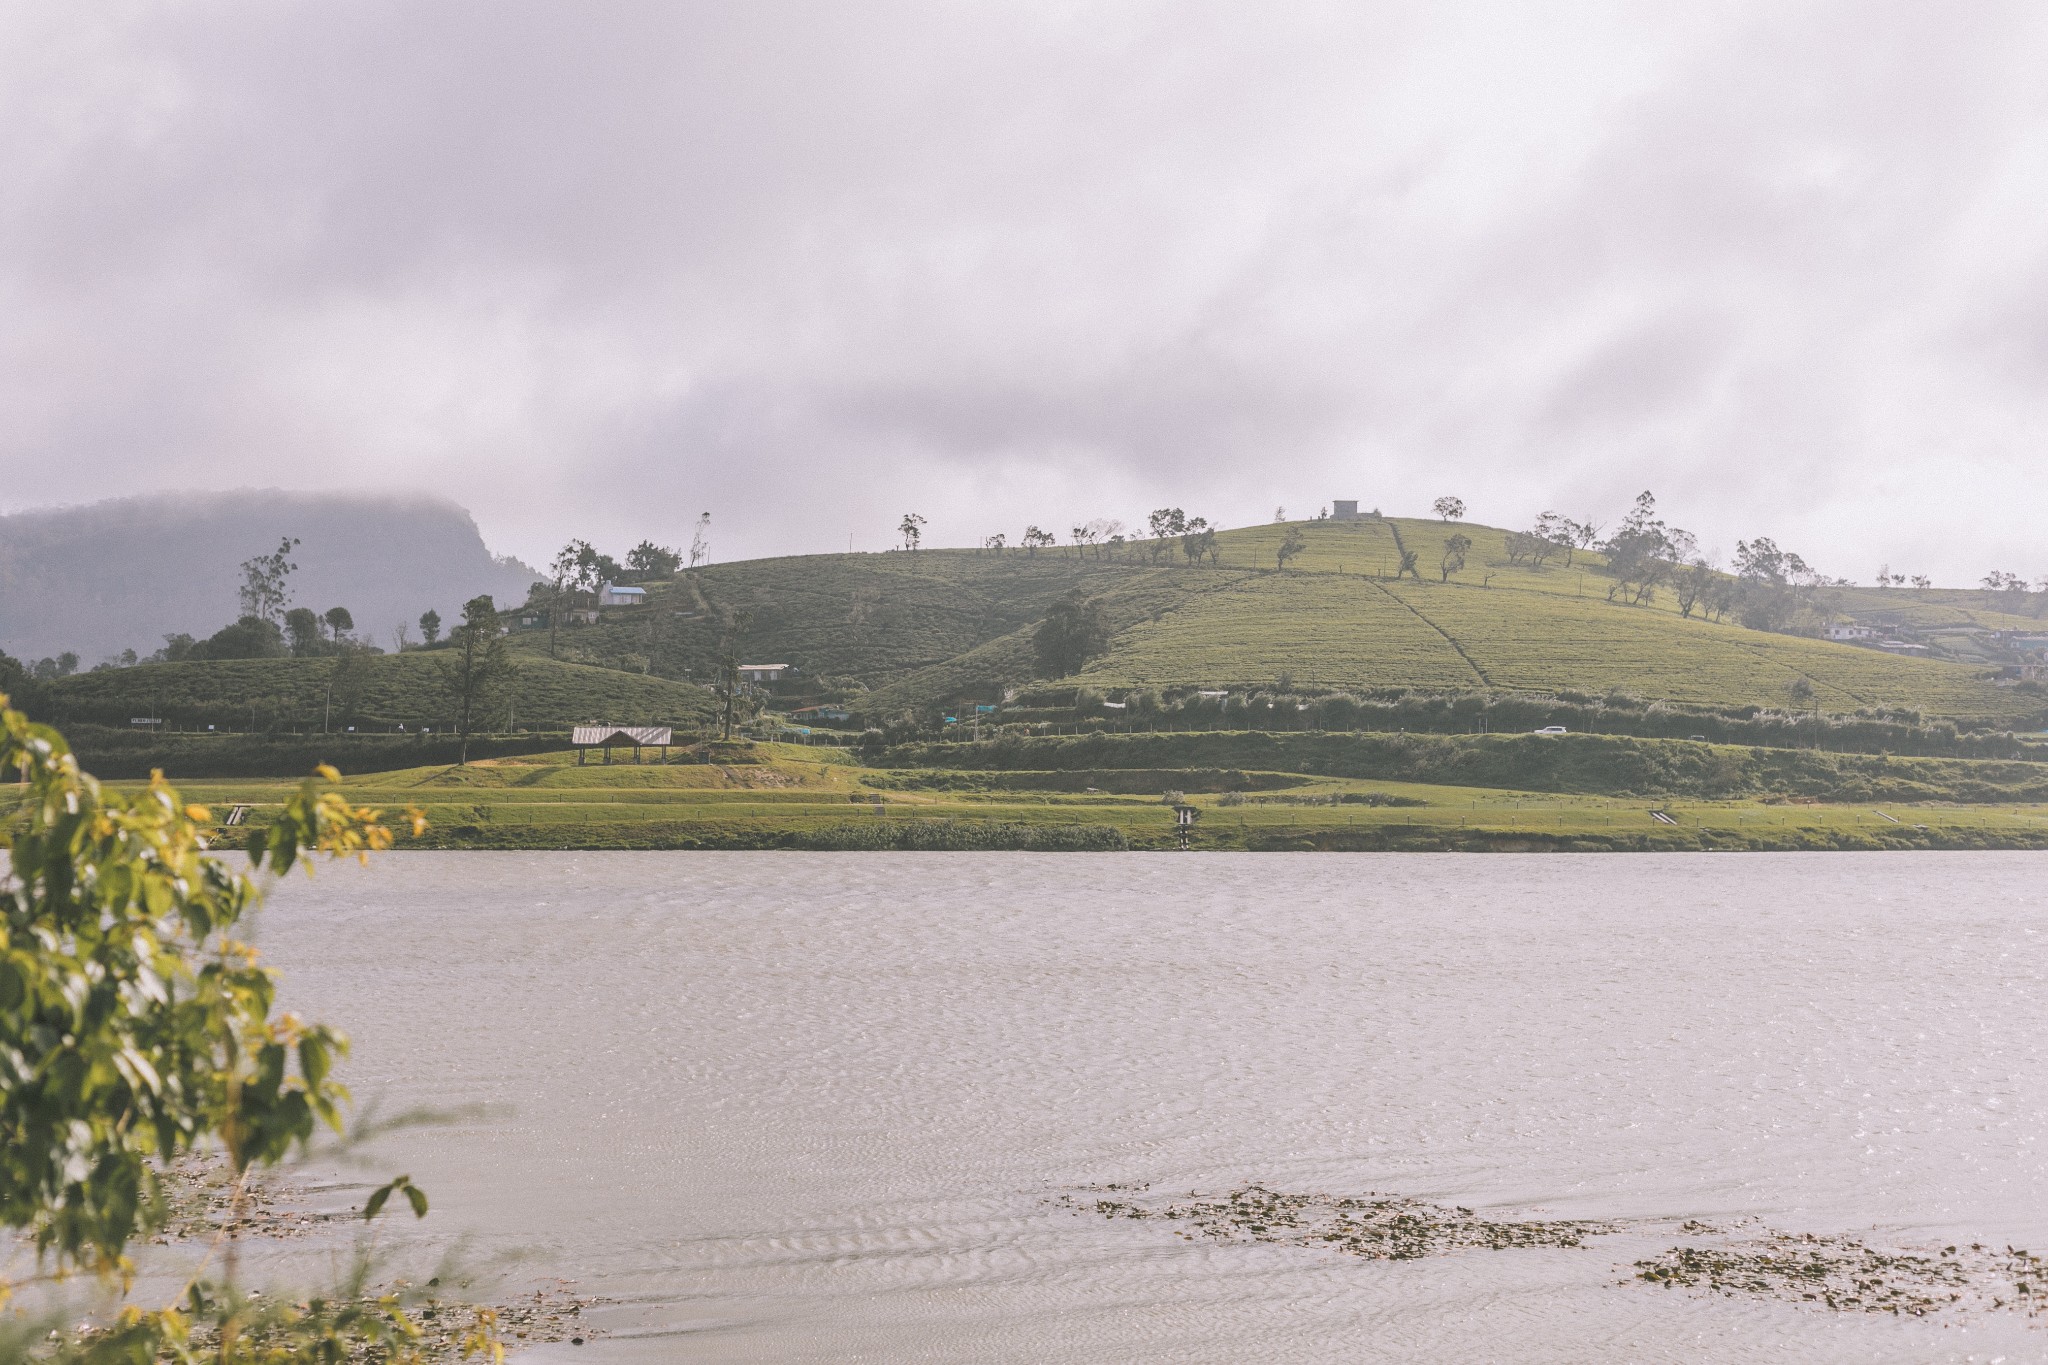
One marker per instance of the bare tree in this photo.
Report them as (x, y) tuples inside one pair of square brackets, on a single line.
[(700, 541)]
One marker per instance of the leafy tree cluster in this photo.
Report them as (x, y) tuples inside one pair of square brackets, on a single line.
[(1073, 632), (138, 1027)]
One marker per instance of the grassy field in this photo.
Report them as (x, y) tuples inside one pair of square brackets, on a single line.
[(410, 688), (779, 796)]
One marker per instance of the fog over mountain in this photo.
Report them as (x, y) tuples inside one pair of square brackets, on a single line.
[(124, 573)]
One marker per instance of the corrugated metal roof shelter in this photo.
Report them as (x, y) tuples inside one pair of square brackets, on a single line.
[(584, 738)]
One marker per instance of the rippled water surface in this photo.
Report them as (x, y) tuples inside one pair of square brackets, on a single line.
[(811, 1107)]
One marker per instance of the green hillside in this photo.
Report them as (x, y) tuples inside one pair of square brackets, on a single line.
[(917, 630), (896, 633), (872, 618), (408, 689), (1367, 633)]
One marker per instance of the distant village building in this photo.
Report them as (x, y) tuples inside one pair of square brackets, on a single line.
[(612, 595), (825, 711), (1901, 647), (1849, 630), (1344, 509), (767, 674)]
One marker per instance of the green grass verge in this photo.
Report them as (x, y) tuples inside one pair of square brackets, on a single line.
[(776, 796)]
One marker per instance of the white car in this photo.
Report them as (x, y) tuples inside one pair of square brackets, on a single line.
[(1550, 730)]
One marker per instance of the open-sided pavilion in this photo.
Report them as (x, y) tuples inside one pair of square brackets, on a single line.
[(584, 738)]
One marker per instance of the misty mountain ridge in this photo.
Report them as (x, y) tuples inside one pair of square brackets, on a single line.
[(122, 574)]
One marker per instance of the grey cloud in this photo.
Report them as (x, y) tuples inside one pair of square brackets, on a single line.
[(805, 266)]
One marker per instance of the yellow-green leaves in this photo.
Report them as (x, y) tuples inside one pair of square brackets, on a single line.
[(132, 1021)]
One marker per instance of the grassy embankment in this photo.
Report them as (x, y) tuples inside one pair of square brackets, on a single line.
[(1425, 793)]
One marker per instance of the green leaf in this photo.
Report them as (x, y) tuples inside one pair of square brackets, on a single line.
[(417, 1197)]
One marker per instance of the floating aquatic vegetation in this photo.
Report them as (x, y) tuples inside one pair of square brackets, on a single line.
[(1836, 1273), (1379, 1227), (1850, 1275)]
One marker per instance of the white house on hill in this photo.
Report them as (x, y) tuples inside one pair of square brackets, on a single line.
[(612, 595)]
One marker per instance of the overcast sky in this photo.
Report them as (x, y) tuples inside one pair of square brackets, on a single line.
[(594, 268)]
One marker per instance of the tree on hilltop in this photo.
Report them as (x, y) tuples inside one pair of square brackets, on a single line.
[(911, 528), (1455, 548), (302, 631), (1165, 523), (1449, 509), (648, 560), (570, 571), (339, 623), (1035, 540), (266, 582), (430, 626)]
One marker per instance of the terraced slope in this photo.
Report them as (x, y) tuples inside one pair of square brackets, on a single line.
[(1341, 631), (1326, 630)]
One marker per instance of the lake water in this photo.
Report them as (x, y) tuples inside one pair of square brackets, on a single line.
[(817, 1107)]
